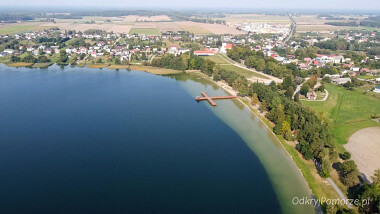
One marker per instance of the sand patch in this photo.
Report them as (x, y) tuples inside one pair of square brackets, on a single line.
[(364, 146)]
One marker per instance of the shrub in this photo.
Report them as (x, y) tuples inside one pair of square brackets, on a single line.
[(345, 155)]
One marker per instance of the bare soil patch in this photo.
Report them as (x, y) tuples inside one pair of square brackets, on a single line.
[(364, 146)]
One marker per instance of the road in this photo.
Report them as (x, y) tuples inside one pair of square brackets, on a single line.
[(340, 193), (292, 29)]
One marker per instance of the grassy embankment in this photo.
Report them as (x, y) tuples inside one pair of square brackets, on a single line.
[(349, 111), (224, 64)]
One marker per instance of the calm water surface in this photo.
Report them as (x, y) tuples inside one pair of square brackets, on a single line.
[(79, 140)]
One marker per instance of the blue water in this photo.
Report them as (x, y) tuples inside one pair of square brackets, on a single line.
[(78, 140)]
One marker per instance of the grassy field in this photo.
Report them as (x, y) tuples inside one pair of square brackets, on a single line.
[(242, 71), (350, 111), (19, 27), (147, 31), (218, 59)]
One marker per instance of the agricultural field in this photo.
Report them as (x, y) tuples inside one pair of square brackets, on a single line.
[(147, 31), (203, 28), (311, 23), (21, 27), (256, 18), (135, 18), (349, 111)]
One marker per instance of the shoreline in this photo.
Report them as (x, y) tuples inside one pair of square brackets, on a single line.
[(149, 69), (229, 90)]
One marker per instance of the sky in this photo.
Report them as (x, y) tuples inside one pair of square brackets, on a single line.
[(183, 4)]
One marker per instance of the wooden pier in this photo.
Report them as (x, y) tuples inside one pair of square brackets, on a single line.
[(211, 99)]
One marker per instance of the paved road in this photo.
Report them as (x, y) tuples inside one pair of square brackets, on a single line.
[(292, 29), (340, 193)]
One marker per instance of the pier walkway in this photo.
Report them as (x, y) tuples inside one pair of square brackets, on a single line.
[(211, 99)]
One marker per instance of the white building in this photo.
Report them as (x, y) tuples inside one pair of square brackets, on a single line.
[(9, 51)]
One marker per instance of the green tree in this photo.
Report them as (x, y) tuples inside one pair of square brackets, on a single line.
[(117, 61), (289, 92), (273, 86), (285, 127), (254, 99), (297, 97), (304, 89), (43, 59), (325, 169)]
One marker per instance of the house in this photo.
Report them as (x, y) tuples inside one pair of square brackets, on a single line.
[(9, 51), (341, 81), (311, 95), (377, 89), (204, 53), (364, 70), (225, 47), (347, 65), (182, 51), (332, 76), (304, 66), (355, 69), (337, 59), (69, 50)]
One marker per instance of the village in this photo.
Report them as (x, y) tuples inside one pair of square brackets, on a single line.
[(98, 48)]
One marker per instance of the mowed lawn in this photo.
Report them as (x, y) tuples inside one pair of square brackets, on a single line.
[(242, 71), (350, 111), (218, 59), (147, 31)]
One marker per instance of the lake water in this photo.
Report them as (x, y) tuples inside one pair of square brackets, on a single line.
[(78, 140)]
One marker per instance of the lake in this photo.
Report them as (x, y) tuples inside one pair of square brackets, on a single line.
[(78, 140)]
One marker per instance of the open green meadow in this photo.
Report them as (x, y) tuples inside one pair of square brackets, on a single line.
[(218, 59), (349, 111), (19, 28), (147, 31), (245, 72)]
